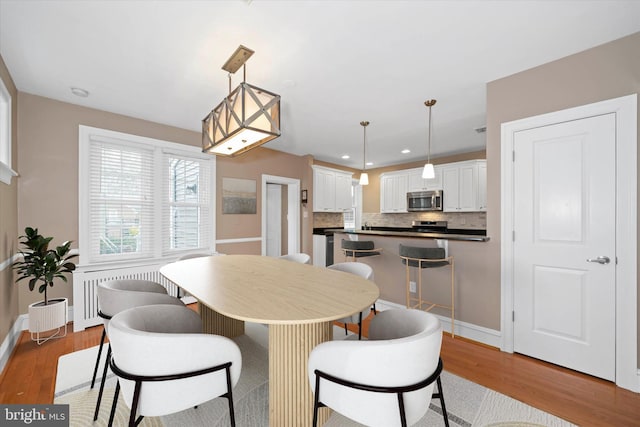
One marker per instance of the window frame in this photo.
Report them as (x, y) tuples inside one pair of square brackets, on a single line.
[(160, 149), (6, 136)]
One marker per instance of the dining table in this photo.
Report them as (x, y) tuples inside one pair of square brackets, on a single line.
[(299, 303)]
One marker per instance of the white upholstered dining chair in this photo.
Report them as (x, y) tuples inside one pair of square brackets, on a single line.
[(115, 296), (387, 380), (165, 364), (364, 271)]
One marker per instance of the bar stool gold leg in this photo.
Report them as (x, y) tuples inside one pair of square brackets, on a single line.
[(407, 284), (419, 273)]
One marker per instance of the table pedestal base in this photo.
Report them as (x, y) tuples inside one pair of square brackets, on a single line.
[(290, 395), (217, 324)]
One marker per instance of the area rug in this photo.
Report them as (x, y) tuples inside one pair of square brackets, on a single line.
[(468, 404)]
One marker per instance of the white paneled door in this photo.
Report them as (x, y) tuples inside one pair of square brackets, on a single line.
[(274, 219), (564, 244)]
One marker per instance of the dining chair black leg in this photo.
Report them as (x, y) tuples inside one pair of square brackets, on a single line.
[(360, 326), (95, 369), (229, 395), (104, 379), (114, 404), (134, 403), (440, 396)]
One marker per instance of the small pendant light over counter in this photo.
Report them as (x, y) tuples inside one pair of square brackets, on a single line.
[(428, 172), (364, 176)]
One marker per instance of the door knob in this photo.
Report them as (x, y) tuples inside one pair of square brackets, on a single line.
[(600, 260)]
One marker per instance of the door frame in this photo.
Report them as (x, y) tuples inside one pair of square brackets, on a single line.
[(625, 109), (293, 215)]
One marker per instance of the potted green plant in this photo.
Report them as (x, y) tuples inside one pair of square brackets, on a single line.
[(41, 266)]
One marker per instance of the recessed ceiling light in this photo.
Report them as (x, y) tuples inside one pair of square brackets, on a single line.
[(405, 151), (79, 92), (369, 163), (346, 156)]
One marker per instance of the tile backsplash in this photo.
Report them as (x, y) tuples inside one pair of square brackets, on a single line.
[(327, 220), (470, 220)]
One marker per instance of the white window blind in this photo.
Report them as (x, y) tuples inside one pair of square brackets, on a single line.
[(187, 215), (143, 199), (121, 202)]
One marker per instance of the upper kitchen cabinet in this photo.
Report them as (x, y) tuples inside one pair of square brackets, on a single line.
[(463, 187), (417, 183), (331, 190), (393, 191)]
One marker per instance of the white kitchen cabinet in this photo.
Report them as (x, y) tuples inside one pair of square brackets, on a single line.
[(417, 183), (393, 192), (461, 186), (331, 190), (344, 200)]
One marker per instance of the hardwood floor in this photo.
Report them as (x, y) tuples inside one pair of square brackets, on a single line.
[(29, 377)]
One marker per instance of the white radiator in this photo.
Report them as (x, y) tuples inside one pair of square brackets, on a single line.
[(85, 298)]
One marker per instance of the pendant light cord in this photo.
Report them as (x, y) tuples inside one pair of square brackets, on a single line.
[(364, 150), (430, 103), (364, 124)]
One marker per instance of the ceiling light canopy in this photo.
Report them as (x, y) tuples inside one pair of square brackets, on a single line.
[(247, 118), (429, 172), (364, 177)]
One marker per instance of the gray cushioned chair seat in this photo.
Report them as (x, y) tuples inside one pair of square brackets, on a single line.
[(423, 253), (357, 246)]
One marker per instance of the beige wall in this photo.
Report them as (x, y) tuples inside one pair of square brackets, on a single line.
[(48, 186), (9, 219), (604, 72), (252, 165), (48, 167)]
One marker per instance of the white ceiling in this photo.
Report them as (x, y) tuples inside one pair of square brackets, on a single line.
[(335, 63)]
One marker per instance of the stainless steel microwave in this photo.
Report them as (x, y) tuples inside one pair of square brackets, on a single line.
[(419, 201)]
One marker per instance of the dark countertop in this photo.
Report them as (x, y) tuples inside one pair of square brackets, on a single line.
[(328, 230), (470, 235)]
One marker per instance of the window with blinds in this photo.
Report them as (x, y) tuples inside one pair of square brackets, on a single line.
[(186, 216), (121, 201), (142, 199)]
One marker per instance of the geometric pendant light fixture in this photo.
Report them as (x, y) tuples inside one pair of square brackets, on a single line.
[(247, 118), (364, 176), (429, 172)]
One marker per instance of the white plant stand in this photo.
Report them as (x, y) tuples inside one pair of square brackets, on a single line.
[(44, 318)]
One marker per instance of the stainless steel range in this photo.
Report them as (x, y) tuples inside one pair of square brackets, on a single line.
[(429, 226)]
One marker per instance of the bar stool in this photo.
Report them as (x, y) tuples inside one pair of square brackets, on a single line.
[(359, 248), (427, 258)]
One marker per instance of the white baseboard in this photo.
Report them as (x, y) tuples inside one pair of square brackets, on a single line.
[(466, 330), (10, 341)]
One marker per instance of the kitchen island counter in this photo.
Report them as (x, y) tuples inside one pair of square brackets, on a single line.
[(458, 235), (474, 276)]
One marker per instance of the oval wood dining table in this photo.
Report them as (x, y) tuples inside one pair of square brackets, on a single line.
[(299, 302)]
